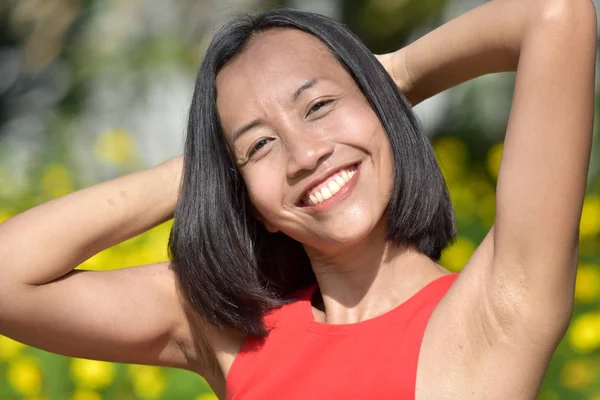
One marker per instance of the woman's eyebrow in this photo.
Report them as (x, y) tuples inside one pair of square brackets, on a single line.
[(305, 86), (236, 135), (252, 124)]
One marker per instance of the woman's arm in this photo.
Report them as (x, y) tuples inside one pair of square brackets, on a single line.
[(543, 173), (532, 248), (48, 241), (484, 40), (127, 315)]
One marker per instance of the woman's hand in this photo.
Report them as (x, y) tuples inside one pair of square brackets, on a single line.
[(395, 65), (464, 48)]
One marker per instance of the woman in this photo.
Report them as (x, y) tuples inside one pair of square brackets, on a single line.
[(283, 108)]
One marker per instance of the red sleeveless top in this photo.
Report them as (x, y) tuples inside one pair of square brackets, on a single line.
[(304, 359)]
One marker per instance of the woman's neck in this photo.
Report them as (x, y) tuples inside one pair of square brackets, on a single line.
[(364, 280)]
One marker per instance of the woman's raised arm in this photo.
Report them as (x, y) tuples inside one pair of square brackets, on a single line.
[(127, 315), (531, 253), (484, 40)]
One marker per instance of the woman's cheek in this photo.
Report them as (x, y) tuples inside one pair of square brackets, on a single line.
[(352, 125), (264, 191)]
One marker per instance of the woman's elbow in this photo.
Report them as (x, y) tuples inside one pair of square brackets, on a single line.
[(567, 14)]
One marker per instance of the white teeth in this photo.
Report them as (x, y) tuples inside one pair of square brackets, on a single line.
[(334, 187), (330, 188)]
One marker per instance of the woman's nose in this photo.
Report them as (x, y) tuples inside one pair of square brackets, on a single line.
[(306, 153)]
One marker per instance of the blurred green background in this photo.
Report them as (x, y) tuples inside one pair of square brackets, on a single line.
[(90, 90)]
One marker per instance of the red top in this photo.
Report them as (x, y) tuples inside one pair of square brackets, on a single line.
[(304, 359)]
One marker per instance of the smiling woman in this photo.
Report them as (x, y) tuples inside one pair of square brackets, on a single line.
[(310, 214), (296, 106)]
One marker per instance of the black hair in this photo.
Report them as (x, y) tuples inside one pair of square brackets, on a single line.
[(233, 270)]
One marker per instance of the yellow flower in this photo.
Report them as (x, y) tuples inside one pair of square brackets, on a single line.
[(9, 348), (101, 261), (148, 382), (91, 374), (5, 214), (80, 394), (157, 239), (453, 156), (486, 209), (24, 375), (578, 374), (207, 396), (584, 334), (56, 181), (10, 189), (464, 201), (494, 157), (480, 185), (115, 147), (590, 217), (456, 256), (587, 285)]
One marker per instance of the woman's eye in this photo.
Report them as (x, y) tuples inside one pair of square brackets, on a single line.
[(258, 145), (318, 106)]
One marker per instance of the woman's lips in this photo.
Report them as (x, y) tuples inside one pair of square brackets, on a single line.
[(333, 190)]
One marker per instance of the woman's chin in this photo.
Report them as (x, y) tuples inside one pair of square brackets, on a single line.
[(343, 236)]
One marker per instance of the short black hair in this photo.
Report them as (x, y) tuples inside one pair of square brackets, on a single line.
[(233, 270)]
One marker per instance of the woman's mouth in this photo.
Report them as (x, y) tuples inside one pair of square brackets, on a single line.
[(332, 188)]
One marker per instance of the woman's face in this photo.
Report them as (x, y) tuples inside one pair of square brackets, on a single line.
[(313, 154)]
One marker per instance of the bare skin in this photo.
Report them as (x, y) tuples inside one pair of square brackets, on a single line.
[(492, 335)]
